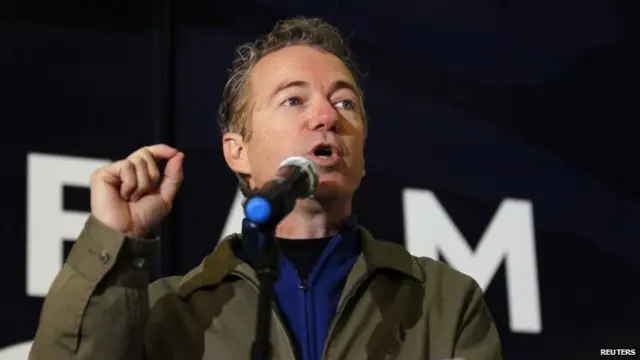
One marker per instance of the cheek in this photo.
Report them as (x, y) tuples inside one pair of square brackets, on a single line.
[(278, 134), (356, 148), (260, 156), (274, 145), (356, 163), (358, 167), (266, 153)]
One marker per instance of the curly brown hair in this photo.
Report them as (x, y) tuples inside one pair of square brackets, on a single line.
[(234, 110)]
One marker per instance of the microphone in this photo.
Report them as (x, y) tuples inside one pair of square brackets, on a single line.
[(296, 177)]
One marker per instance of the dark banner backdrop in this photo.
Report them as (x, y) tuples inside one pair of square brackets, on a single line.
[(502, 142)]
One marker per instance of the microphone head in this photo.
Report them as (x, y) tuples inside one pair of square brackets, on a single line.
[(307, 167)]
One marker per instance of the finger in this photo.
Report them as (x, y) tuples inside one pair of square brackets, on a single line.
[(127, 175), (142, 178), (152, 167), (173, 176), (116, 174), (161, 151)]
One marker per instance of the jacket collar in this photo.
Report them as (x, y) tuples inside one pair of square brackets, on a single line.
[(222, 262), (380, 254), (249, 248)]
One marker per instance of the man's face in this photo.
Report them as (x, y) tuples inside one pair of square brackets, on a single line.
[(304, 103)]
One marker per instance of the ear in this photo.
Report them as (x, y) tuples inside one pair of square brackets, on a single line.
[(235, 153)]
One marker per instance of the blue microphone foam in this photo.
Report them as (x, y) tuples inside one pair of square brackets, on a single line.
[(257, 209)]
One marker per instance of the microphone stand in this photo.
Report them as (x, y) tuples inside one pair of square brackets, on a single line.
[(267, 267), (267, 270)]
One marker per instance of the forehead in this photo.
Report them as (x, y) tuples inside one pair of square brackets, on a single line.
[(298, 63)]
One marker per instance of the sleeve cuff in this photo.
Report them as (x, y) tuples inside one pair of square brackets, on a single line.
[(100, 250)]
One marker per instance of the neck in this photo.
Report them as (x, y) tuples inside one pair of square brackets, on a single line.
[(311, 220)]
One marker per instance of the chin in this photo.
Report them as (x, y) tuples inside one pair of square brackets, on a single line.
[(333, 184), (332, 190)]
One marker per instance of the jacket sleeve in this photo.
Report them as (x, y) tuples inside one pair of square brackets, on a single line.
[(478, 337), (98, 304)]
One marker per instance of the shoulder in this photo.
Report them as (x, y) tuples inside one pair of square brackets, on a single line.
[(168, 311), (439, 273), (441, 281), (448, 294), (164, 288), (436, 275), (449, 290)]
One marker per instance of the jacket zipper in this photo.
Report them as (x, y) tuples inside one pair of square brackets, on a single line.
[(347, 299), (309, 338), (274, 311)]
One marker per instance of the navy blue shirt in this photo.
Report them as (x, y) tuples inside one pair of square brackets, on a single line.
[(307, 297)]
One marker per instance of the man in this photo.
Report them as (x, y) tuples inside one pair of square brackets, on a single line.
[(341, 293)]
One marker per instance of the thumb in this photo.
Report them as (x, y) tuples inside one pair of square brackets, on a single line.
[(172, 179)]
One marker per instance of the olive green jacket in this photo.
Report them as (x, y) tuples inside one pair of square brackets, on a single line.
[(393, 306)]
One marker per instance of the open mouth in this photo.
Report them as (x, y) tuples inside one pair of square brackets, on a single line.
[(324, 151)]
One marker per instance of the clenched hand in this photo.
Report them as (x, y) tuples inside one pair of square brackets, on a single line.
[(131, 195)]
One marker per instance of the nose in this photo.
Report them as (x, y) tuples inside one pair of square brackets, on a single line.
[(324, 117)]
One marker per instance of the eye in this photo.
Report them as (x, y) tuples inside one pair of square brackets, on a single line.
[(292, 101), (346, 104)]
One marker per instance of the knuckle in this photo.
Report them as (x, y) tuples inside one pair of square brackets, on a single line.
[(134, 154), (146, 152), (136, 160), (129, 165), (99, 173), (128, 168), (95, 174)]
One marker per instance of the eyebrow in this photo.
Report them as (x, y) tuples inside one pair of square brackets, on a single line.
[(335, 86), (286, 85)]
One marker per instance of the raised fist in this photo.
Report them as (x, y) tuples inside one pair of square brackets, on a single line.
[(131, 195)]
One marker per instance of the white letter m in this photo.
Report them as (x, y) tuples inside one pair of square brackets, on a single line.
[(429, 231)]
